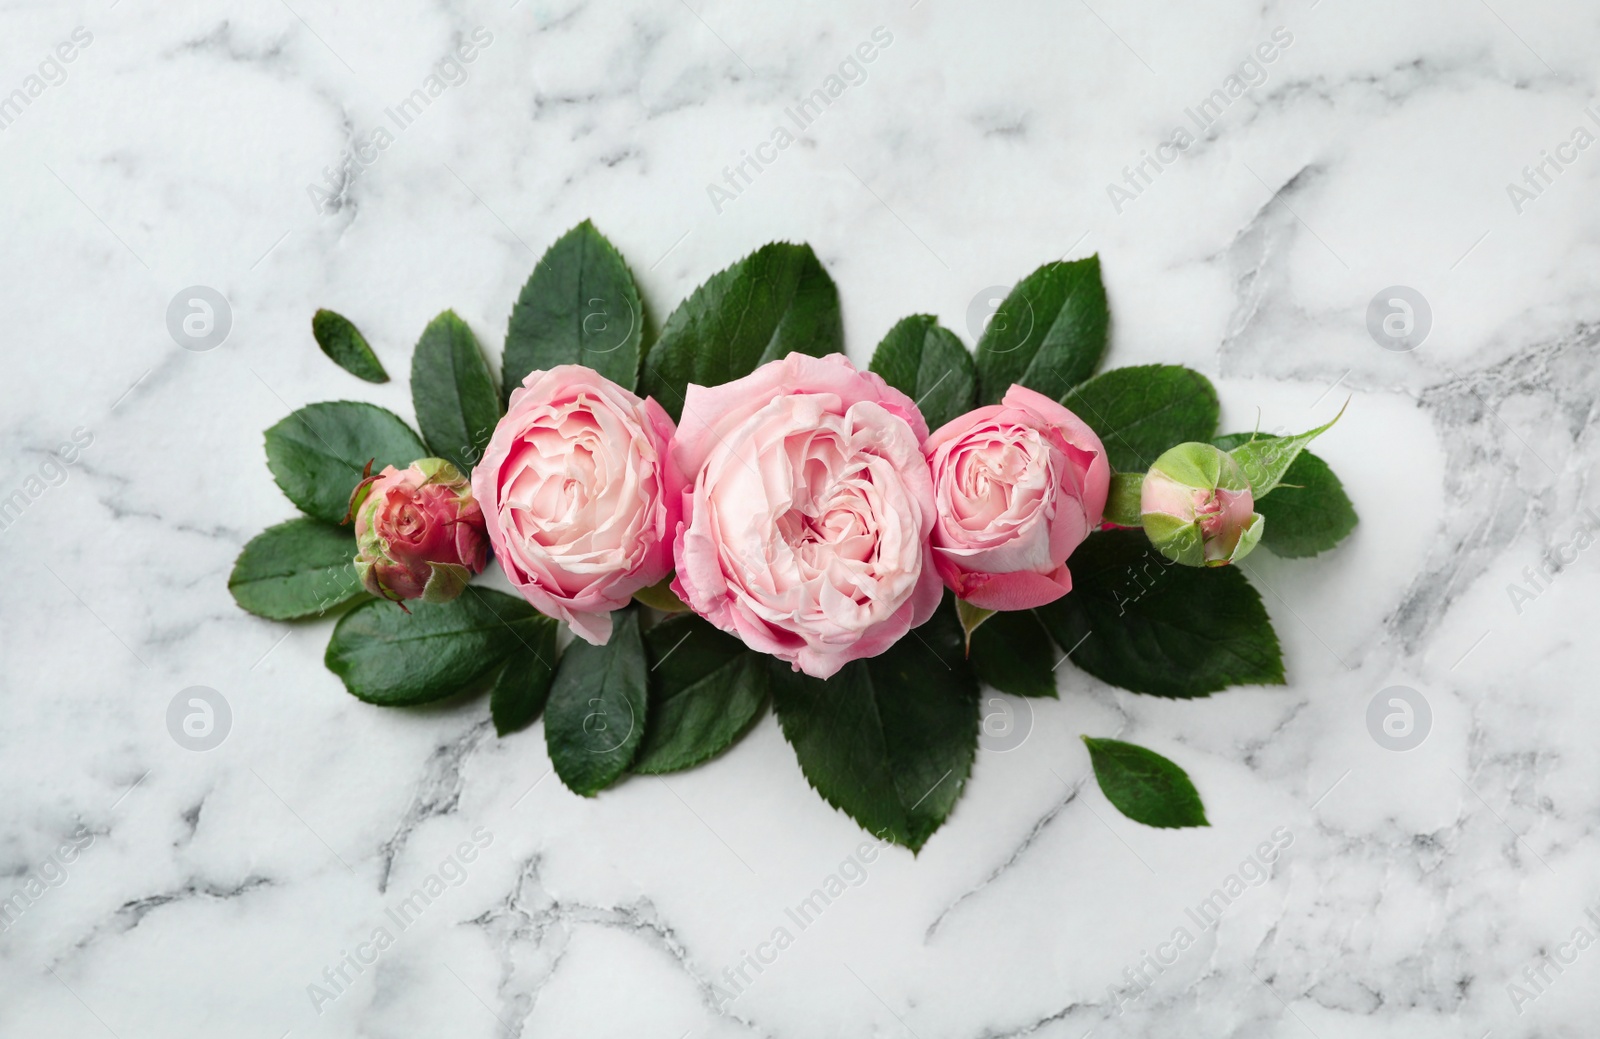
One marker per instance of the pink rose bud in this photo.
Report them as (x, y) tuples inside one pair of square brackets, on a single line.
[(1197, 507), (419, 533), (1018, 485), (581, 495), (805, 524)]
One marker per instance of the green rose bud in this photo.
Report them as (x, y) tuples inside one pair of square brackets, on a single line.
[(1197, 507)]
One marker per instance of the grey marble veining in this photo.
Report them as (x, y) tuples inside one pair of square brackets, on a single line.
[(279, 154)]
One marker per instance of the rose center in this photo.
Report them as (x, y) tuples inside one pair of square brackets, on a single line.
[(1208, 510), (995, 478), (829, 520), (409, 522)]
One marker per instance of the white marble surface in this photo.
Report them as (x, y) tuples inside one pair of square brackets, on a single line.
[(214, 887)]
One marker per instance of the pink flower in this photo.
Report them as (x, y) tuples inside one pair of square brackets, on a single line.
[(1019, 485), (580, 494), (419, 533), (805, 523)]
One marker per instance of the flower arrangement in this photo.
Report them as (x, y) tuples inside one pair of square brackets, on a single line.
[(733, 514)]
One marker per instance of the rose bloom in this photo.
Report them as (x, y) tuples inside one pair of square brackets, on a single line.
[(419, 533), (805, 523), (1019, 485), (580, 495)]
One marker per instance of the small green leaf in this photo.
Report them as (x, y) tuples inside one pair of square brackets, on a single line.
[(579, 306), (1140, 621), (1014, 654), (1141, 411), (1144, 786), (1122, 500), (926, 362), (346, 346), (389, 657), (1266, 459), (890, 740), (302, 568), (1049, 334), (453, 392), (776, 301), (1308, 512), (597, 712), (317, 453), (706, 689), (523, 685)]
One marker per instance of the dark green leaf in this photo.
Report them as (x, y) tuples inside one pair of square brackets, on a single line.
[(579, 306), (1140, 621), (598, 706), (1144, 786), (706, 689), (453, 392), (1139, 412), (1012, 652), (1049, 334), (301, 568), (397, 659), (316, 454), (773, 302), (889, 741), (523, 686), (1308, 512), (346, 346), (927, 363)]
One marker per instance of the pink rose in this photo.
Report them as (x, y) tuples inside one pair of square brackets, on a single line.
[(805, 523), (580, 494), (1019, 485), (419, 533)]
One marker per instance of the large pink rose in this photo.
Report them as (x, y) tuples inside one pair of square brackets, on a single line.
[(1019, 485), (806, 519), (580, 494)]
